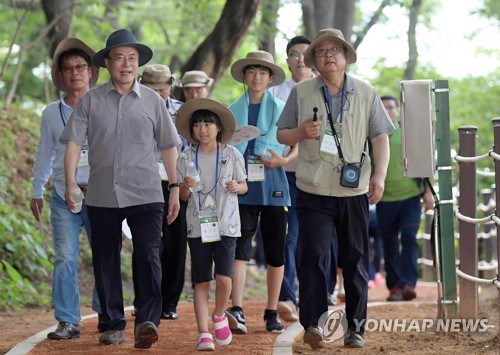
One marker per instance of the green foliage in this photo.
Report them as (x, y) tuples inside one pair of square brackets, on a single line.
[(491, 9), (25, 263)]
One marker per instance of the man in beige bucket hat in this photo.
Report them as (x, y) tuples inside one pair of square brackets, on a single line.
[(333, 116), (195, 84)]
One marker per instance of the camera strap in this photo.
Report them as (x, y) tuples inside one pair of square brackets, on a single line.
[(330, 120)]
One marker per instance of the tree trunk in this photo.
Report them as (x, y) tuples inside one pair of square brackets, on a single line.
[(412, 40), (344, 17), (214, 55), (324, 13), (63, 9), (308, 18), (268, 28), (111, 12), (320, 14)]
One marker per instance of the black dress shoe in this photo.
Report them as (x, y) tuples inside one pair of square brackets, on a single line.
[(65, 330), (172, 315)]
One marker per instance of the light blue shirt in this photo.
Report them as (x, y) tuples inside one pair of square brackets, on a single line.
[(49, 158)]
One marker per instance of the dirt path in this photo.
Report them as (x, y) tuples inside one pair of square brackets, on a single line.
[(177, 337)]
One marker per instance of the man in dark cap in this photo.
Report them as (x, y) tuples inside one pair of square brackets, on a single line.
[(126, 123)]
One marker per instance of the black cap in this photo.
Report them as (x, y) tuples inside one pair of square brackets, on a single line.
[(297, 40)]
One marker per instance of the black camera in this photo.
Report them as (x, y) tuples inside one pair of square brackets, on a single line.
[(350, 175)]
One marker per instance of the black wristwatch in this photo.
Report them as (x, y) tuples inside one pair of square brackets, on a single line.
[(171, 186)]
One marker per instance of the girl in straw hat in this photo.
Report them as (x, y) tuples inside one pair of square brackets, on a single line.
[(213, 219)]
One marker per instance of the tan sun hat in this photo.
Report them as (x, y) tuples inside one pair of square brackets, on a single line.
[(329, 34), (195, 78), (258, 58), (156, 76), (187, 109), (63, 46)]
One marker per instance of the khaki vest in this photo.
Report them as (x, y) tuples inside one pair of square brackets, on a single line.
[(317, 172)]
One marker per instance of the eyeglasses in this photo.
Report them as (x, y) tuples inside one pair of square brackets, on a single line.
[(120, 58), (334, 50), (79, 68), (296, 56)]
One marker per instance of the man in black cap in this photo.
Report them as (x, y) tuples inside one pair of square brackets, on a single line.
[(126, 123)]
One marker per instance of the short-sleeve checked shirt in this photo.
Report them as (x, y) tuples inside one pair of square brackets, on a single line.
[(124, 133)]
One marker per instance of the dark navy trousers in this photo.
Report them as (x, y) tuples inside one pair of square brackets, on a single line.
[(145, 223), (318, 216)]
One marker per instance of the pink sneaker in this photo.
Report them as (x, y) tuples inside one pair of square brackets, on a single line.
[(379, 279), (223, 334), (371, 284), (205, 342)]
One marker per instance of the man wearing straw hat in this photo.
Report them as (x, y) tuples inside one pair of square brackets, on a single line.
[(333, 116), (195, 85), (174, 236), (73, 74), (126, 124)]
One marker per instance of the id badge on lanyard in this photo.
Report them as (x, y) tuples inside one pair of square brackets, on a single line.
[(209, 229), (255, 169), (83, 160), (328, 144), (209, 224)]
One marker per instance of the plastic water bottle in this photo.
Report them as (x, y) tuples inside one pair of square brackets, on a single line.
[(266, 154), (193, 172), (78, 198)]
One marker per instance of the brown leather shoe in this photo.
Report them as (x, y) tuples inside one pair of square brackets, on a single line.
[(145, 335), (65, 330), (394, 295), (409, 293)]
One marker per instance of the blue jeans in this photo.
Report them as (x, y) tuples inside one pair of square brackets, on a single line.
[(394, 218), (66, 229), (376, 246), (289, 285)]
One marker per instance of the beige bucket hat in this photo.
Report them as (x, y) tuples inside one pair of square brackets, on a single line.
[(258, 58), (156, 76), (329, 34)]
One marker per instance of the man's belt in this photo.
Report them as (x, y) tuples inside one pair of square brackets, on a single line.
[(83, 187)]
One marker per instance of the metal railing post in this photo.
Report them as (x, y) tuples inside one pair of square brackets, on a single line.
[(496, 149), (487, 246), (448, 307), (468, 250)]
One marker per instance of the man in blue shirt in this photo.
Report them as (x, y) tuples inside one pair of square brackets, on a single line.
[(72, 74)]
